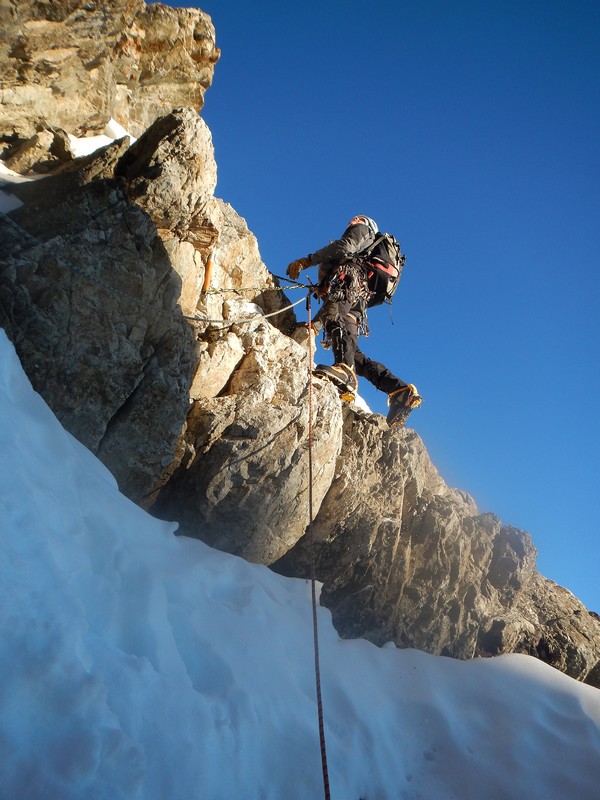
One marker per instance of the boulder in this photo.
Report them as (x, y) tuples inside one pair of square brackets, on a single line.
[(170, 171)]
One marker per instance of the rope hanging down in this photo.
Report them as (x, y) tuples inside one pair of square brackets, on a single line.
[(313, 580)]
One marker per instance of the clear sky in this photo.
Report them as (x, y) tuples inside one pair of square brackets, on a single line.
[(470, 130)]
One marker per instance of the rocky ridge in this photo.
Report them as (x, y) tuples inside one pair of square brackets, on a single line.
[(197, 402)]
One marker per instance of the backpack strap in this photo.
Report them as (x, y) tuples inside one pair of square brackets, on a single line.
[(366, 253)]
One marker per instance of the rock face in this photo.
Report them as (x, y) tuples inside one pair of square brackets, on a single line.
[(97, 285), (245, 475), (74, 65), (403, 558), (198, 401), (89, 296)]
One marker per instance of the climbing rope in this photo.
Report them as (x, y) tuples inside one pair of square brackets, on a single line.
[(297, 284), (242, 321), (204, 320), (195, 318), (313, 579), (35, 242)]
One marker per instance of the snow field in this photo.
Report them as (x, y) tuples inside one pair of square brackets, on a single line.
[(138, 665)]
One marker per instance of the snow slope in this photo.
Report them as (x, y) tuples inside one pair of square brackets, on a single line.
[(135, 664)]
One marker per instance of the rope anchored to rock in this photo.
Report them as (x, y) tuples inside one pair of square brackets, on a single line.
[(313, 578)]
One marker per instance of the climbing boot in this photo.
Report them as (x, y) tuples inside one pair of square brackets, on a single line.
[(343, 378), (401, 403)]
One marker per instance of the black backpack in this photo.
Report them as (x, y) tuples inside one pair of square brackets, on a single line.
[(383, 261)]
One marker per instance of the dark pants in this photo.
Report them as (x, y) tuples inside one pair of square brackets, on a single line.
[(340, 320)]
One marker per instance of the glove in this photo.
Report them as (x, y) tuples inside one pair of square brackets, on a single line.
[(314, 327), (295, 267), (321, 290)]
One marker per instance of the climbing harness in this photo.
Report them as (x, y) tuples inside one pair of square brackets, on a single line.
[(313, 579), (348, 284)]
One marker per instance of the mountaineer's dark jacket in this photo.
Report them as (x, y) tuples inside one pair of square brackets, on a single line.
[(354, 239)]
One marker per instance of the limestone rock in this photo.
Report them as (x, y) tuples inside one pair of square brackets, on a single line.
[(240, 270), (404, 558), (44, 201), (170, 171), (74, 65), (217, 363), (89, 298), (44, 151), (550, 623), (102, 290), (243, 484)]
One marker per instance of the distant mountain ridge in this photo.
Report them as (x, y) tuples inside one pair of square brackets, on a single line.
[(196, 402)]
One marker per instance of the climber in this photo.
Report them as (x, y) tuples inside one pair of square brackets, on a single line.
[(348, 284)]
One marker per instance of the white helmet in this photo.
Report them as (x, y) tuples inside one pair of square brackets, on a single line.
[(370, 223)]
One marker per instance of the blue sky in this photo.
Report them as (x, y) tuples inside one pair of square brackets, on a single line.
[(470, 130)]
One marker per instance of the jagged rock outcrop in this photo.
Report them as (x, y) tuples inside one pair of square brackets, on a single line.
[(90, 299), (198, 403), (74, 65), (547, 621), (404, 558), (98, 279), (243, 484)]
